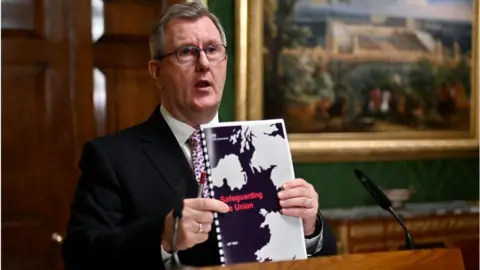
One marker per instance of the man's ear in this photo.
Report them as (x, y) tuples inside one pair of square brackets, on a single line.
[(154, 69)]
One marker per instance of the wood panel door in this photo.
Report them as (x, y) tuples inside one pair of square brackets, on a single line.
[(124, 93), (71, 70), (37, 131)]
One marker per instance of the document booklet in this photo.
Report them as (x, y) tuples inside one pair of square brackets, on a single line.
[(247, 162)]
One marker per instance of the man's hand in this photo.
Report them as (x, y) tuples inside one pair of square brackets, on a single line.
[(299, 199), (196, 222)]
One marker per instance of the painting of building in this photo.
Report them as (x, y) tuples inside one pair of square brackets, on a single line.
[(368, 65)]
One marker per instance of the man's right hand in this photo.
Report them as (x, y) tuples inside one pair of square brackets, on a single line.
[(195, 212)]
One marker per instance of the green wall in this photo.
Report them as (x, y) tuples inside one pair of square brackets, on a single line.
[(435, 180)]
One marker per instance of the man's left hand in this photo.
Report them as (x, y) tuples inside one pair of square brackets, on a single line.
[(299, 199)]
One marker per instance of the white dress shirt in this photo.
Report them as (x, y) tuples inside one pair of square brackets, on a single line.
[(182, 132)]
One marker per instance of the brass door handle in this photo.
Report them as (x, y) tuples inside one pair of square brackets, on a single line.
[(56, 237)]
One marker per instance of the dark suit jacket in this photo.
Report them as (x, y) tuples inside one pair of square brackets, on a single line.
[(127, 187)]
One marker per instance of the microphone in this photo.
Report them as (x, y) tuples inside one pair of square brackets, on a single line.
[(177, 215), (384, 203)]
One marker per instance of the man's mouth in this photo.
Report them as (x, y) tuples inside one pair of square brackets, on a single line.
[(203, 84)]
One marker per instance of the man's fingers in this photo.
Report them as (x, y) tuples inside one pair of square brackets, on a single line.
[(206, 204), (194, 227), (293, 193), (199, 238), (203, 216), (299, 182), (197, 215), (297, 202), (206, 228), (191, 235)]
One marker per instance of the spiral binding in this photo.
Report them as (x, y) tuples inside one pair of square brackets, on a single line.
[(210, 185)]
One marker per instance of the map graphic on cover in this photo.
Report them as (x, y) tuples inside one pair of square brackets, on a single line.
[(247, 162)]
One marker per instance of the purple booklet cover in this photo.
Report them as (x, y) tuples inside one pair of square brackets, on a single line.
[(247, 162)]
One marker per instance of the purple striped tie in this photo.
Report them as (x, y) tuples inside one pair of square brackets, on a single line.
[(197, 158)]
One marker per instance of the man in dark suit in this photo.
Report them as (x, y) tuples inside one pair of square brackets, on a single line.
[(121, 214)]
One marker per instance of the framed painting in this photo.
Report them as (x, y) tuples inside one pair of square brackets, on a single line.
[(361, 79)]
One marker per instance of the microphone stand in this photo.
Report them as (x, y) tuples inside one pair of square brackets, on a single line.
[(384, 203), (409, 244), (177, 215), (175, 260)]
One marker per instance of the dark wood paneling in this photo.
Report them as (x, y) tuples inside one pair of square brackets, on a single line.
[(26, 245), (22, 17), (25, 100), (36, 146), (132, 96), (127, 18), (37, 132), (52, 103), (122, 56), (33, 51), (122, 53)]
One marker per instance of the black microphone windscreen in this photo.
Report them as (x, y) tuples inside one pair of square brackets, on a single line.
[(384, 203), (374, 191)]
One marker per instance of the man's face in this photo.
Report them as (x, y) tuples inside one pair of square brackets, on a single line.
[(193, 88)]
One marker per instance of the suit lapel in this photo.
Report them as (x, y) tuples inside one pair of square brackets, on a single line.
[(163, 151)]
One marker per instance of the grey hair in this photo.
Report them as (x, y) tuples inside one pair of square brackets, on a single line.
[(188, 11)]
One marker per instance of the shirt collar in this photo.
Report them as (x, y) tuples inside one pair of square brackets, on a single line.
[(181, 130)]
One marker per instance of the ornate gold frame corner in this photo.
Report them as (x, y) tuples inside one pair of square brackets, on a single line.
[(248, 59), (341, 147)]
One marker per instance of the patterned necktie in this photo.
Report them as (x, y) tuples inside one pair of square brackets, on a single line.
[(197, 158)]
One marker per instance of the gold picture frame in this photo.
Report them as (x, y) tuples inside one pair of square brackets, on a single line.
[(342, 146)]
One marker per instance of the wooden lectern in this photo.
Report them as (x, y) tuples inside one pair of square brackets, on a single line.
[(450, 259)]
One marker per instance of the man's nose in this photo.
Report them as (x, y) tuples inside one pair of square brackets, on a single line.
[(203, 63)]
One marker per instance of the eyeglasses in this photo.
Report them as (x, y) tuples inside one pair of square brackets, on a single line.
[(189, 55)]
